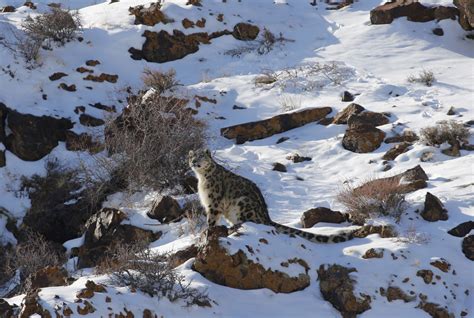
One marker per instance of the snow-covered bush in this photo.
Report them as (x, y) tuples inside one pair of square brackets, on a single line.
[(425, 77), (149, 142), (449, 131), (138, 267), (160, 81), (373, 199)]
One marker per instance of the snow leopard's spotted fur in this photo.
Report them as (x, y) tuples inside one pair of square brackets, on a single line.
[(224, 193)]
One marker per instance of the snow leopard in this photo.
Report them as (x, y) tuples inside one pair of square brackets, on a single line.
[(239, 200)]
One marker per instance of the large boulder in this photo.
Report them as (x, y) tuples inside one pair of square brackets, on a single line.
[(337, 287), (219, 263), (104, 230), (362, 139), (245, 31), (166, 209), (396, 150), (49, 276), (466, 13), (413, 10), (434, 209), (343, 115), (274, 125), (462, 229), (149, 16), (367, 118), (321, 214), (468, 247), (31, 137)]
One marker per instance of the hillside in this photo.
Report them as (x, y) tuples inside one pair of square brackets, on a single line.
[(336, 100)]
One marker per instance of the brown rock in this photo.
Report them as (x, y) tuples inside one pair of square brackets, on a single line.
[(220, 17), (426, 274), (83, 69), (373, 253), (453, 150), (438, 32), (30, 306), (435, 310), (30, 5), (149, 16), (7, 9), (245, 31), (6, 310), (49, 276), (187, 23), (274, 125), (279, 167), (90, 121), (237, 271), (3, 159), (442, 264), (86, 309), (90, 290), (395, 293), (321, 214), (347, 97), (296, 158), (182, 256), (407, 136), (110, 109), (57, 76), (414, 11), (165, 210), (466, 13), (343, 115), (82, 142), (92, 63), (68, 88), (201, 23), (462, 229), (196, 3), (337, 287), (385, 231), (362, 139), (367, 118), (468, 247), (79, 109), (103, 77), (434, 210), (4, 110), (396, 150)]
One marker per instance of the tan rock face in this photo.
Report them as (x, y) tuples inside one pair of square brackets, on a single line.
[(49, 276), (466, 16), (235, 270), (337, 287), (362, 139), (274, 125)]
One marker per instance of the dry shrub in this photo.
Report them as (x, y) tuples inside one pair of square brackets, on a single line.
[(412, 236), (160, 81), (195, 215), (289, 103), (31, 255), (58, 25), (268, 77), (149, 142), (449, 131), (424, 77), (263, 45), (373, 199), (136, 266)]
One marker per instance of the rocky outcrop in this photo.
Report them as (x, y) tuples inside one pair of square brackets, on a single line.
[(337, 287), (396, 293), (343, 115), (57, 76), (82, 142), (49, 276), (362, 139), (103, 77), (426, 274), (3, 159), (462, 229), (321, 214), (31, 306), (468, 247), (245, 31), (90, 121), (238, 271), (31, 137), (149, 16), (279, 167), (412, 10), (103, 231), (7, 9), (396, 151), (166, 209), (434, 209), (407, 136), (373, 253), (441, 264), (435, 310), (466, 13), (274, 125), (367, 118)]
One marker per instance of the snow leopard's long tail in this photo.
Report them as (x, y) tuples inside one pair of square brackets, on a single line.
[(316, 238)]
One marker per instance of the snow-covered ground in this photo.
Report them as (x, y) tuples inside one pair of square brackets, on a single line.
[(379, 58)]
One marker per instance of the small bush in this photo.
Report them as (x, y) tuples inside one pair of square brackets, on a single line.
[(160, 81), (267, 78), (33, 254), (263, 45), (373, 199), (150, 140), (449, 131), (59, 26), (289, 103), (424, 77), (136, 266)]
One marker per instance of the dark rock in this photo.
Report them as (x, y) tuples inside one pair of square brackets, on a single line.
[(31, 137), (343, 115), (187, 23), (149, 16), (414, 11), (110, 109), (237, 271), (190, 184), (82, 142), (321, 214), (7, 9), (434, 210), (68, 88), (426, 274), (165, 210), (201, 23), (282, 139), (466, 13), (31, 305), (362, 139), (245, 31), (90, 290), (49, 276), (90, 121), (442, 264), (435, 310), (468, 247), (4, 110), (274, 125), (103, 77), (395, 293), (104, 231), (438, 31), (347, 97), (238, 107), (279, 167), (396, 150), (407, 136), (367, 118), (337, 287), (30, 5), (92, 63), (453, 150), (57, 76), (296, 158), (83, 69), (326, 121), (7, 310), (182, 256), (3, 159), (462, 229), (373, 253)]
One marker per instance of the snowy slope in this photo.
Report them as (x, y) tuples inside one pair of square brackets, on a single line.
[(379, 59)]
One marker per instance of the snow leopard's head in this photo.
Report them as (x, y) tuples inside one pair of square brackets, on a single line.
[(200, 160)]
